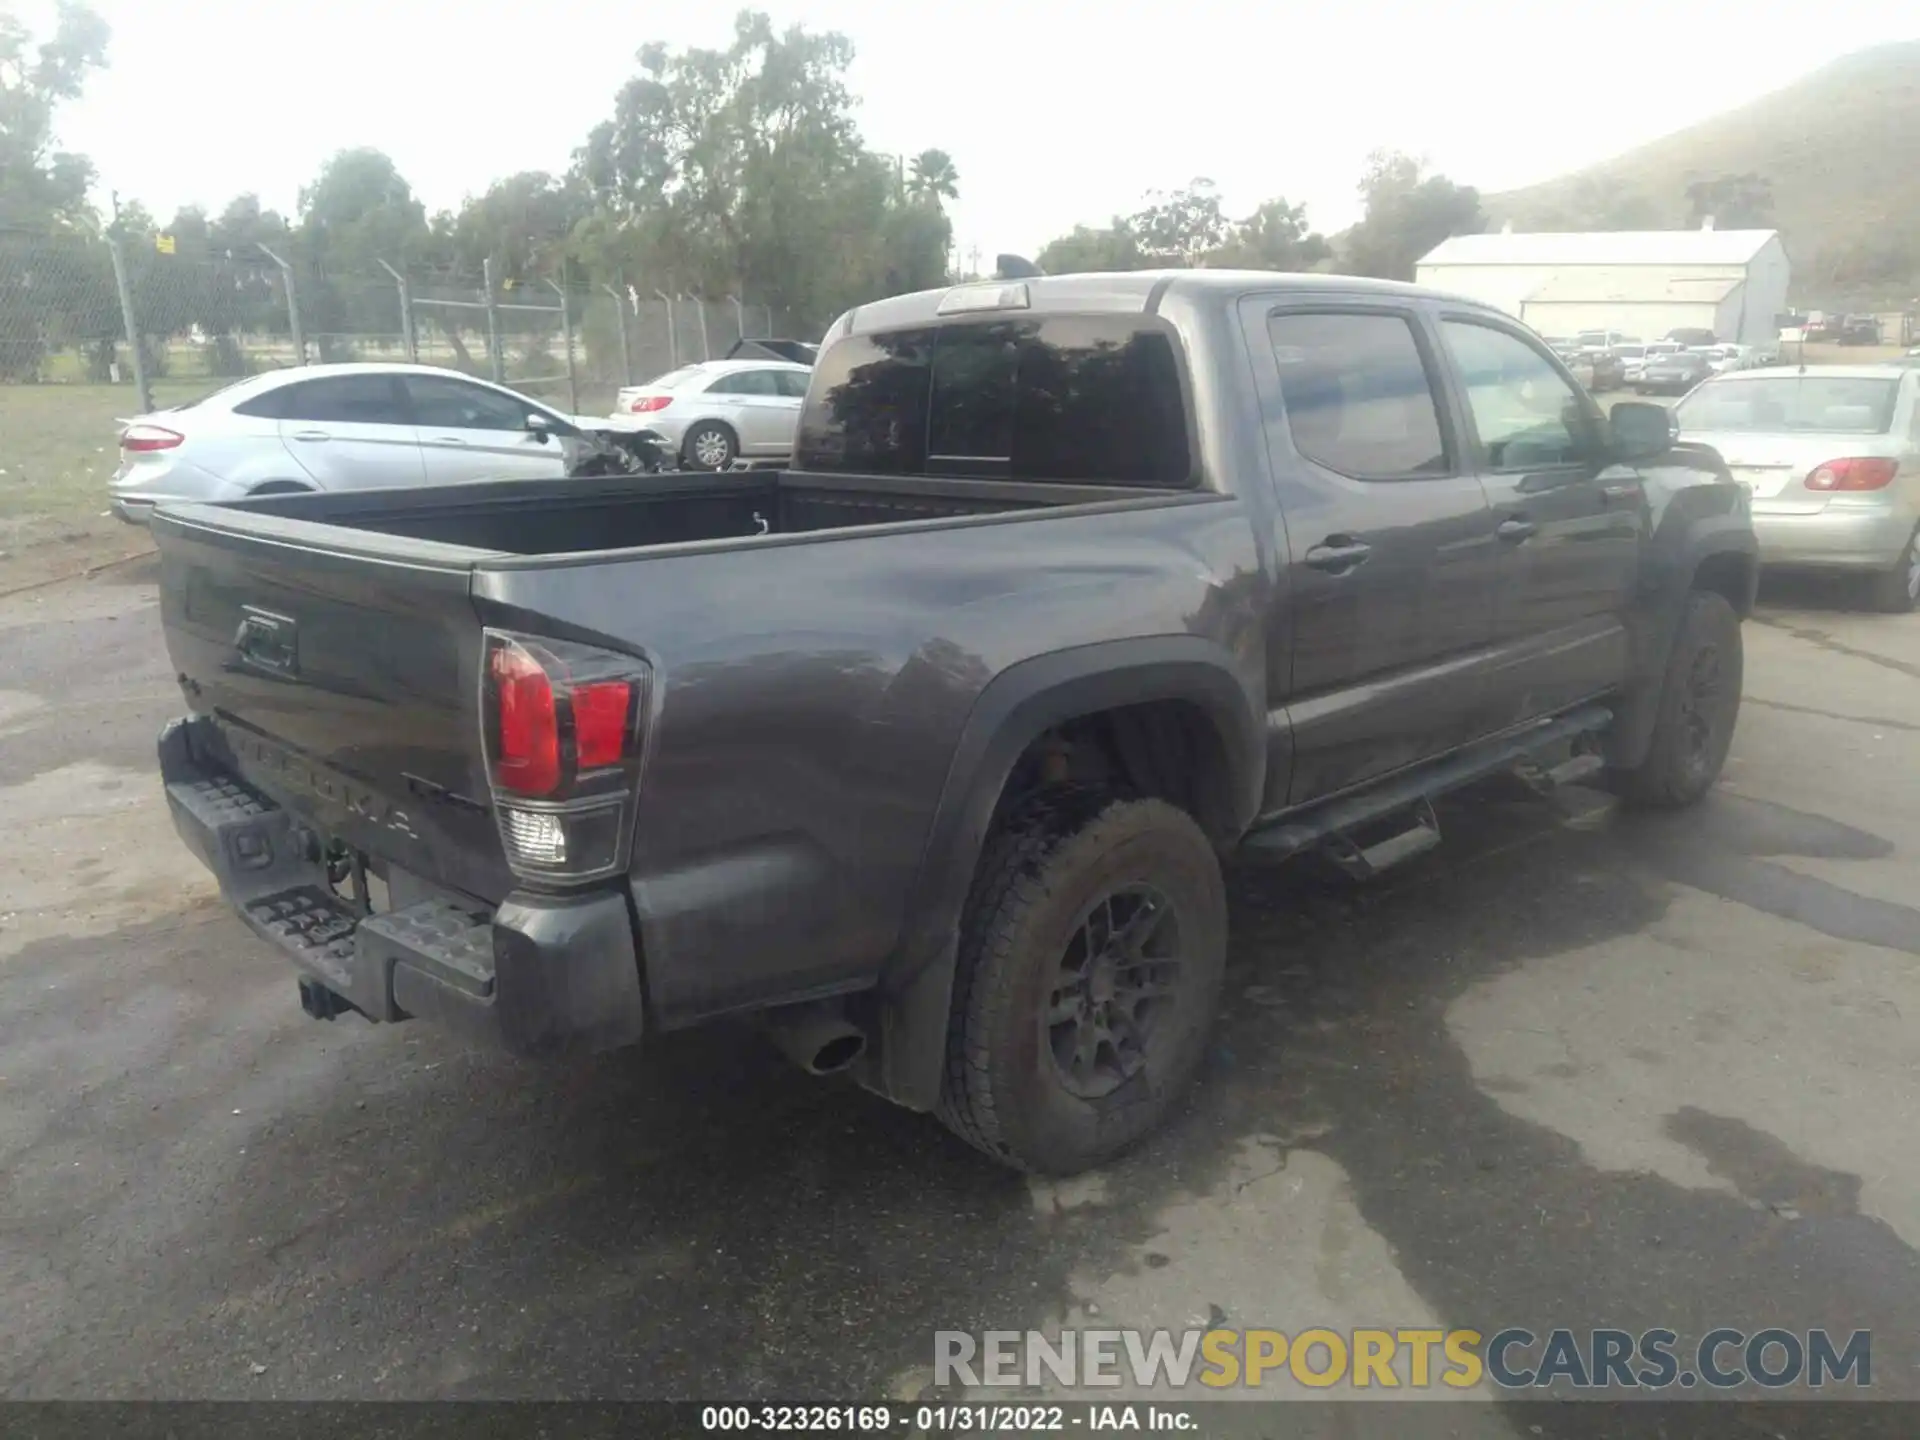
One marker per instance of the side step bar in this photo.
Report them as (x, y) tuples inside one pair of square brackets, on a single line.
[(1330, 824)]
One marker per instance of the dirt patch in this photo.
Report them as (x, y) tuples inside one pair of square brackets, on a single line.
[(75, 555)]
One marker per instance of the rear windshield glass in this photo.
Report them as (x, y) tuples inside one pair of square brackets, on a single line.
[(1092, 399), (1838, 404), (673, 378)]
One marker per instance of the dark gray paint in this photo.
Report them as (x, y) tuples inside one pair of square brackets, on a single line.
[(837, 712)]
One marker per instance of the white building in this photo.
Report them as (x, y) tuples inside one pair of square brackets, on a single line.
[(1642, 282)]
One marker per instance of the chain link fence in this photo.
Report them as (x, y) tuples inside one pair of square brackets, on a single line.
[(80, 310)]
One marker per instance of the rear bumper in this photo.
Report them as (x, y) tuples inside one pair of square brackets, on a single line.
[(131, 509), (536, 975), (1841, 538)]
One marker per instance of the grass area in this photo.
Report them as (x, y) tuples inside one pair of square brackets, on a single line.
[(58, 450)]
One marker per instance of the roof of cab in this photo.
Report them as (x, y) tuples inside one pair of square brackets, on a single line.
[(1131, 292)]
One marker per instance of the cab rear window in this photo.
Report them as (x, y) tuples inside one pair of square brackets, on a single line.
[(1089, 399)]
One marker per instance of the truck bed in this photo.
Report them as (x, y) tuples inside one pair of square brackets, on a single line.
[(629, 513)]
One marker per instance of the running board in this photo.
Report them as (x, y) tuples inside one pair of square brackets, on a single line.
[(1360, 862), (1417, 788), (1544, 779)]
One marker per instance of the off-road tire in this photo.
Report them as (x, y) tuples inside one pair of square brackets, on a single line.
[(1891, 592), (1692, 731), (1003, 1091)]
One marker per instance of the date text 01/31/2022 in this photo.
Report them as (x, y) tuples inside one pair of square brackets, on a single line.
[(941, 1419)]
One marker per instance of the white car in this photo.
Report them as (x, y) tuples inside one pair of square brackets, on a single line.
[(720, 411), (339, 427)]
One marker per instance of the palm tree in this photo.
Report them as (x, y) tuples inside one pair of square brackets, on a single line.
[(934, 177)]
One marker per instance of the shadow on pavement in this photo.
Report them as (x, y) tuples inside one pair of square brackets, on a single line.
[(391, 1216)]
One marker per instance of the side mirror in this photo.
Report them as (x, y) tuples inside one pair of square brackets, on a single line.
[(542, 427), (1639, 431)]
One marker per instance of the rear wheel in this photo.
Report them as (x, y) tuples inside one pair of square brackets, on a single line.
[(1896, 591), (1090, 965), (1699, 703), (709, 446)]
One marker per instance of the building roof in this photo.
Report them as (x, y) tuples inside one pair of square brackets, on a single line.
[(1603, 247), (1631, 285)]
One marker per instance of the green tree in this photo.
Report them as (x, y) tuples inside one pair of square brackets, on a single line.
[(740, 171), (522, 224), (1182, 227), (1407, 213), (357, 212), (219, 281), (41, 187), (931, 176), (1275, 237), (1732, 202), (1088, 250)]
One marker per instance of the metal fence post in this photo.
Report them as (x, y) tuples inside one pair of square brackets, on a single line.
[(673, 335), (293, 307), (739, 316), (769, 313), (566, 340), (406, 312), (498, 360), (706, 346), (131, 323), (626, 346)]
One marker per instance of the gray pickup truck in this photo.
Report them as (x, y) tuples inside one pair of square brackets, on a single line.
[(927, 751)]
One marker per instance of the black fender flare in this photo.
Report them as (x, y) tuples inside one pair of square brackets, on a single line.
[(1705, 539), (1016, 708)]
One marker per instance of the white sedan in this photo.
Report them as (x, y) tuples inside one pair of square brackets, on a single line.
[(342, 427), (720, 411)]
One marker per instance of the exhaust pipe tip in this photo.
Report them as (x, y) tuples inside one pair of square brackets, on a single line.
[(837, 1054), (817, 1036)]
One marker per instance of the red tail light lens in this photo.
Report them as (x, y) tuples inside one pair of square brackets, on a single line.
[(602, 721), (648, 404), (1867, 472), (143, 438), (526, 758)]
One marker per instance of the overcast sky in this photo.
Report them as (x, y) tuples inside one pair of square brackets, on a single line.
[(1056, 111)]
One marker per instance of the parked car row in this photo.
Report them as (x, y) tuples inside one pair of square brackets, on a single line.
[(380, 426)]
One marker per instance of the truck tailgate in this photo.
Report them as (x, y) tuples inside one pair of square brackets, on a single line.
[(343, 682)]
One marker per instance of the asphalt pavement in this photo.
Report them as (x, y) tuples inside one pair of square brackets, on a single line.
[(1575, 1068)]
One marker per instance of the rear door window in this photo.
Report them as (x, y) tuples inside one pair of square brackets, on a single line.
[(1358, 396), (345, 400), (1093, 399), (745, 382)]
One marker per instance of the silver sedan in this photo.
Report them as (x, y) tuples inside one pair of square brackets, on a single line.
[(720, 411), (339, 427), (1831, 457)]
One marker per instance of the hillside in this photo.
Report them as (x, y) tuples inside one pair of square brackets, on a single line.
[(1838, 147)]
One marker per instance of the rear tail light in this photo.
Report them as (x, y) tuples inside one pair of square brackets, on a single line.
[(562, 730), (1867, 472), (143, 438), (648, 404)]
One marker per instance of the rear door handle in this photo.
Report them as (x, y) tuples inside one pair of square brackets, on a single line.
[(448, 440), (1515, 530), (311, 435), (1337, 554)]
